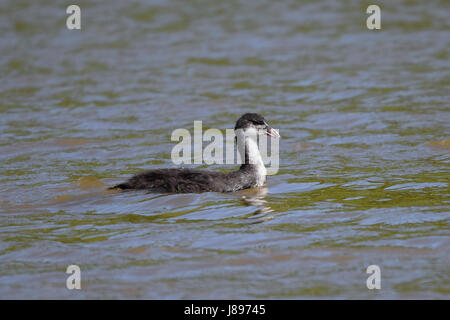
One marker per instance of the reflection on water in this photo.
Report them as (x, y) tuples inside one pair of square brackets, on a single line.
[(364, 159), (255, 197)]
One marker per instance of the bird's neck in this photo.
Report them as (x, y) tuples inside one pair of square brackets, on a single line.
[(251, 157)]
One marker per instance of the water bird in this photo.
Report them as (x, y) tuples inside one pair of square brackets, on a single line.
[(252, 173)]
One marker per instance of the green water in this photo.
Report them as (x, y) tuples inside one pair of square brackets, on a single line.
[(364, 156)]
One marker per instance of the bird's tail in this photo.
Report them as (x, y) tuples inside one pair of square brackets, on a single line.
[(121, 186)]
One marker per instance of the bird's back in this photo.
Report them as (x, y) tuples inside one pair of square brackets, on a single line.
[(177, 180)]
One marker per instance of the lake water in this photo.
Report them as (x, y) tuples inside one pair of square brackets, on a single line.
[(364, 156)]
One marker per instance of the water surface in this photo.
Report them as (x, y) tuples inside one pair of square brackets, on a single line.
[(364, 158)]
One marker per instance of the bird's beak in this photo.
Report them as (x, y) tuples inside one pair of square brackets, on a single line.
[(272, 132)]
